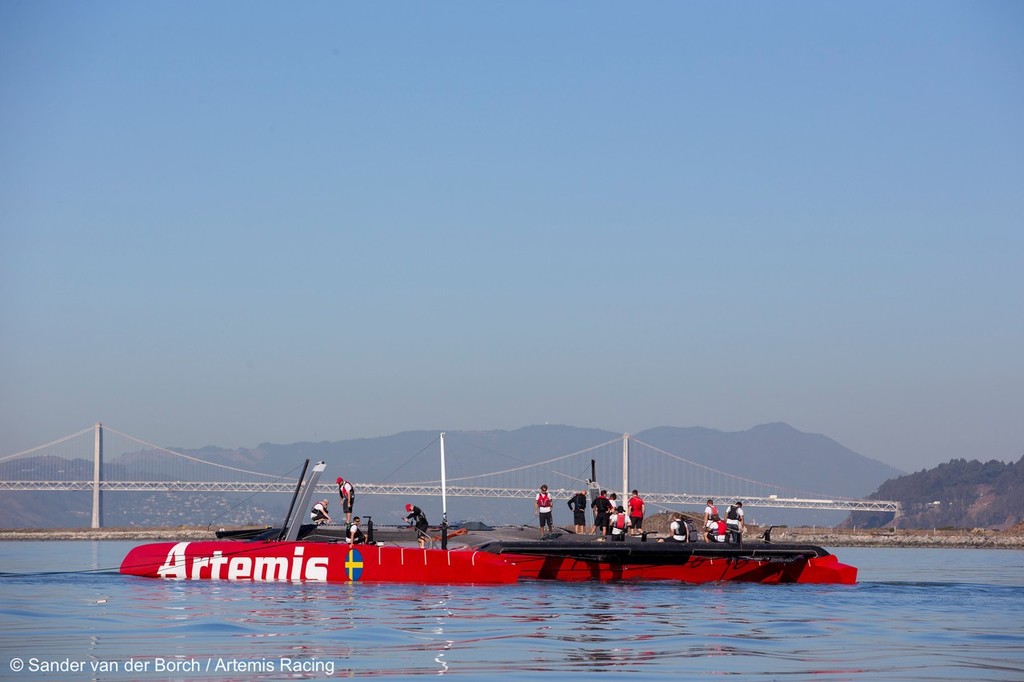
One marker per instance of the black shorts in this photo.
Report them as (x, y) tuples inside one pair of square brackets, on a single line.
[(579, 518), (637, 521)]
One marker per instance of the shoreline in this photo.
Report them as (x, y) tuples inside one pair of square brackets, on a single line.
[(936, 539), (825, 537)]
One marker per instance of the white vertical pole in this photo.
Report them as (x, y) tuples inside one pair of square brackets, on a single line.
[(97, 459), (625, 468), (444, 486), (444, 499)]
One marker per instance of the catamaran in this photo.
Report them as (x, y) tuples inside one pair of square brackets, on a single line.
[(307, 552)]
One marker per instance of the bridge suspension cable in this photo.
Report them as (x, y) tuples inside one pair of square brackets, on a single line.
[(190, 457), (727, 475), (25, 453), (535, 465)]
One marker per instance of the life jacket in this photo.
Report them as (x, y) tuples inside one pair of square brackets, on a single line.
[(620, 521), (718, 530), (732, 515), (544, 502), (351, 491), (713, 512), (680, 531)]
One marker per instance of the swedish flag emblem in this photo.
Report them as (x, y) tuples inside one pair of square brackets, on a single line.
[(354, 564)]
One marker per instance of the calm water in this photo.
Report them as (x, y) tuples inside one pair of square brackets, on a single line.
[(917, 614)]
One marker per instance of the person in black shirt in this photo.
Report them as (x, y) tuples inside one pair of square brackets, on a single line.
[(602, 512), (578, 504), (417, 518)]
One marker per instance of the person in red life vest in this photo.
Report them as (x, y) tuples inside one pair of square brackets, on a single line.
[(542, 509), (602, 508), (319, 514), (709, 511), (619, 523), (717, 530), (578, 504), (636, 513), (417, 518), (348, 497)]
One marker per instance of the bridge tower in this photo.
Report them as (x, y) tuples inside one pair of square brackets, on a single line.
[(625, 468), (97, 461)]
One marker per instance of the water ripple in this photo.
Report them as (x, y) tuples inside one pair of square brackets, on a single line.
[(925, 628)]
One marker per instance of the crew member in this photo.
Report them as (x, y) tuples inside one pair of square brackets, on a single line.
[(355, 533), (709, 511), (717, 529), (417, 518), (578, 504), (348, 497), (619, 523), (602, 507), (734, 523), (542, 508), (319, 513), (679, 530), (636, 513)]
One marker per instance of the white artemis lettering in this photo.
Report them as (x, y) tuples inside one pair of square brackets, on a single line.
[(219, 567)]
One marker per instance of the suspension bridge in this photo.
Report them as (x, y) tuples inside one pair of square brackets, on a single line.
[(101, 460)]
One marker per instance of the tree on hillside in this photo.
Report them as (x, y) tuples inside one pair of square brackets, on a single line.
[(959, 493)]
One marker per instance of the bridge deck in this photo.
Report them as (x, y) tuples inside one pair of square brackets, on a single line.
[(432, 490)]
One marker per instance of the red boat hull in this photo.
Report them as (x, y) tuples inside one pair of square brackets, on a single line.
[(496, 563), (314, 561)]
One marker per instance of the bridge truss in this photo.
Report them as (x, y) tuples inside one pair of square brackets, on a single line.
[(433, 489)]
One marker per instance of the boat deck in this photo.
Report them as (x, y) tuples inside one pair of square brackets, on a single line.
[(526, 540)]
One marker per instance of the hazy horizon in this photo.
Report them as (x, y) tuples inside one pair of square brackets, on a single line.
[(232, 224)]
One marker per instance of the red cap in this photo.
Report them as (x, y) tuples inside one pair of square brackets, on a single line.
[(340, 479), (408, 507)]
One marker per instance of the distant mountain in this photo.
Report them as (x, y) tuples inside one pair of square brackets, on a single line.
[(771, 453), (958, 494)]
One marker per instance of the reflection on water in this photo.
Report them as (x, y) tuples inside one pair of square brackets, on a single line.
[(911, 617)]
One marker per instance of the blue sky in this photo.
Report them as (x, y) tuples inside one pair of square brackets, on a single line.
[(229, 223)]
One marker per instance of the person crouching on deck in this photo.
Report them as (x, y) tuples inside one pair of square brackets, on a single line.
[(717, 530), (355, 533), (319, 514)]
